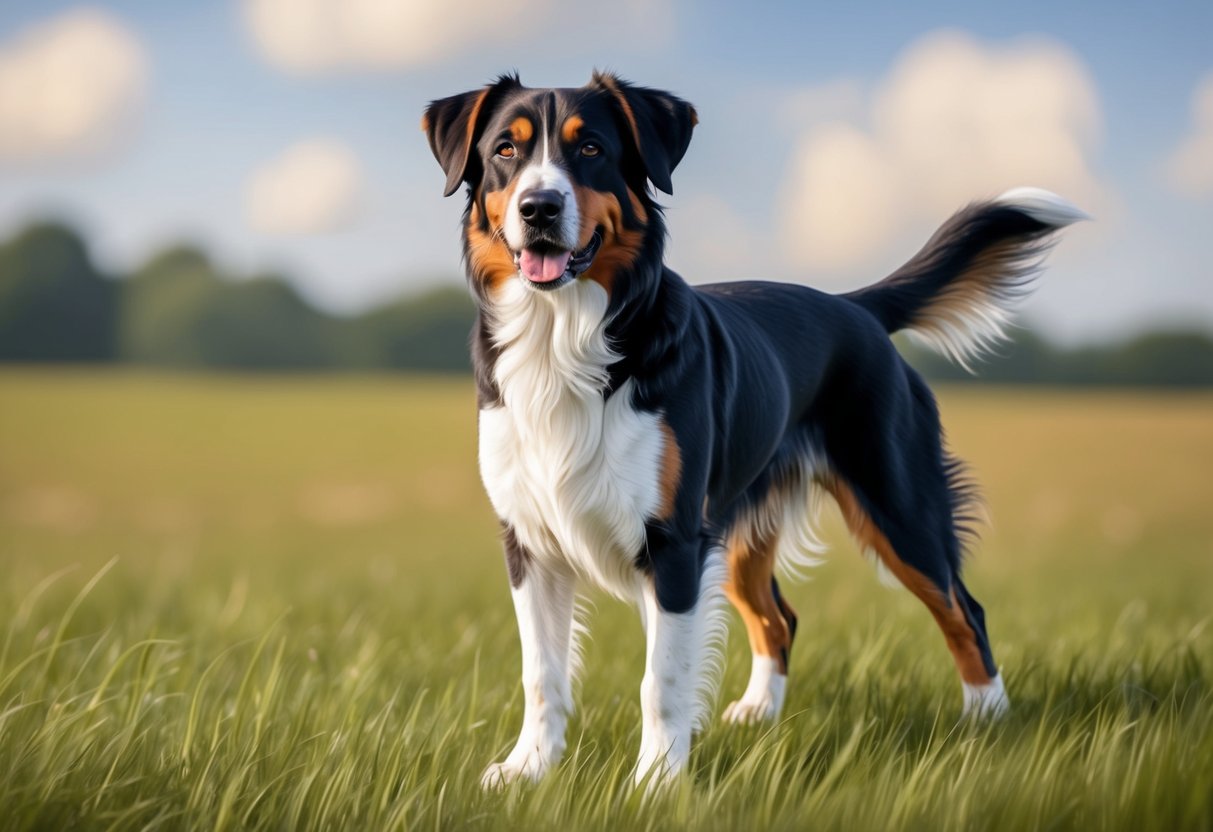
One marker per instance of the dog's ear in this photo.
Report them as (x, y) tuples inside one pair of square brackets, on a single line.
[(453, 125), (660, 125)]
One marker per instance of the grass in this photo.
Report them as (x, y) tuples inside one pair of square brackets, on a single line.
[(278, 603)]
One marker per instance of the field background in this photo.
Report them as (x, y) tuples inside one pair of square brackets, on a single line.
[(262, 601)]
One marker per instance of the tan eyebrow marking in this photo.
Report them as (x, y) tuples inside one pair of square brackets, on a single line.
[(521, 129), (572, 126)]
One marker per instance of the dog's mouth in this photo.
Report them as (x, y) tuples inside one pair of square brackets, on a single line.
[(547, 267)]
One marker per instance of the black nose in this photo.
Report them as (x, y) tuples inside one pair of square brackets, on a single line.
[(540, 209)]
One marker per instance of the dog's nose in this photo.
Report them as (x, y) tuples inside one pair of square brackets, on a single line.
[(541, 208)]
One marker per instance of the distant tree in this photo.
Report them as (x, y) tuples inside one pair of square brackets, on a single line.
[(161, 303), (263, 323), (1172, 359), (428, 332), (179, 311), (54, 304), (1167, 359)]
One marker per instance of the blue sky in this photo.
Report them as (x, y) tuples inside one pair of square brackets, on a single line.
[(833, 137)]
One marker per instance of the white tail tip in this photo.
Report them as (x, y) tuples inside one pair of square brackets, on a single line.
[(1044, 206)]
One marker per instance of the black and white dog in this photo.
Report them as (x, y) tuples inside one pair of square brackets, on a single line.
[(664, 442)]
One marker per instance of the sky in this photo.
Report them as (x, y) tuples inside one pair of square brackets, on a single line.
[(283, 135)]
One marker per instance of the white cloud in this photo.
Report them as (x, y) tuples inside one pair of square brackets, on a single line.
[(953, 120), (326, 36), (838, 99), (710, 240), (71, 87), (1189, 170), (311, 36), (313, 187)]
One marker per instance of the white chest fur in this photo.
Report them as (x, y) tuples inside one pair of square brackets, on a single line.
[(575, 475)]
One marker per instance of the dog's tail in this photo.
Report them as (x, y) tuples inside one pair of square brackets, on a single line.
[(957, 293)]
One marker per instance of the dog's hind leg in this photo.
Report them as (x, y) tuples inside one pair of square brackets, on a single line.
[(987, 697), (937, 584), (543, 603), (769, 621)]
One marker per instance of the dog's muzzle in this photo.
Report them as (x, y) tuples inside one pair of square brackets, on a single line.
[(546, 267)]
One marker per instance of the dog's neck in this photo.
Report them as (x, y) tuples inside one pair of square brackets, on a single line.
[(551, 347), (580, 339)]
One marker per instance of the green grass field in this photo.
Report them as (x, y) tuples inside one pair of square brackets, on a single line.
[(251, 602)]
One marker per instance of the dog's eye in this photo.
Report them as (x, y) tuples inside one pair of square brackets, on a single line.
[(505, 150), (590, 149)]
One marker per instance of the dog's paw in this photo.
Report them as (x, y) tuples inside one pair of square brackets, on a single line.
[(655, 772), (499, 775), (747, 711), (532, 757), (987, 701), (664, 752), (763, 697)]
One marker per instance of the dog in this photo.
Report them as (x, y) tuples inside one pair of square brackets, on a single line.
[(665, 442)]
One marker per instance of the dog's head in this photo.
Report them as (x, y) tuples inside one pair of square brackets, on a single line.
[(558, 178)]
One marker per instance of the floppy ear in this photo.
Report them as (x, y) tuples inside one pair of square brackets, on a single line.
[(660, 124), (453, 125)]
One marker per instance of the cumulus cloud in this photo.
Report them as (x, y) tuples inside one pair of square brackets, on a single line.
[(311, 36), (1189, 170), (325, 36), (313, 187), (840, 99), (953, 120), (71, 87), (710, 240)]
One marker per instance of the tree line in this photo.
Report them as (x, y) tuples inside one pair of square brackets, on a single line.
[(179, 310)]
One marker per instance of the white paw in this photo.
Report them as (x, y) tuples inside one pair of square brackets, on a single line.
[(763, 697), (515, 767), (662, 758), (655, 773), (652, 776), (986, 701), (746, 711), (499, 775)]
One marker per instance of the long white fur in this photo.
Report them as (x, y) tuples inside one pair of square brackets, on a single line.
[(576, 477), (682, 663), (790, 515), (965, 333), (544, 605)]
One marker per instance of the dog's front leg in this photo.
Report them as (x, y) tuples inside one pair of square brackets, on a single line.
[(543, 603), (681, 610)]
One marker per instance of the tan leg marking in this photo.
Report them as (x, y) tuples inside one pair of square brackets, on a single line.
[(671, 471), (751, 565), (961, 639)]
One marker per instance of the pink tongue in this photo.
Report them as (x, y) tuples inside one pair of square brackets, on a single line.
[(543, 268)]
